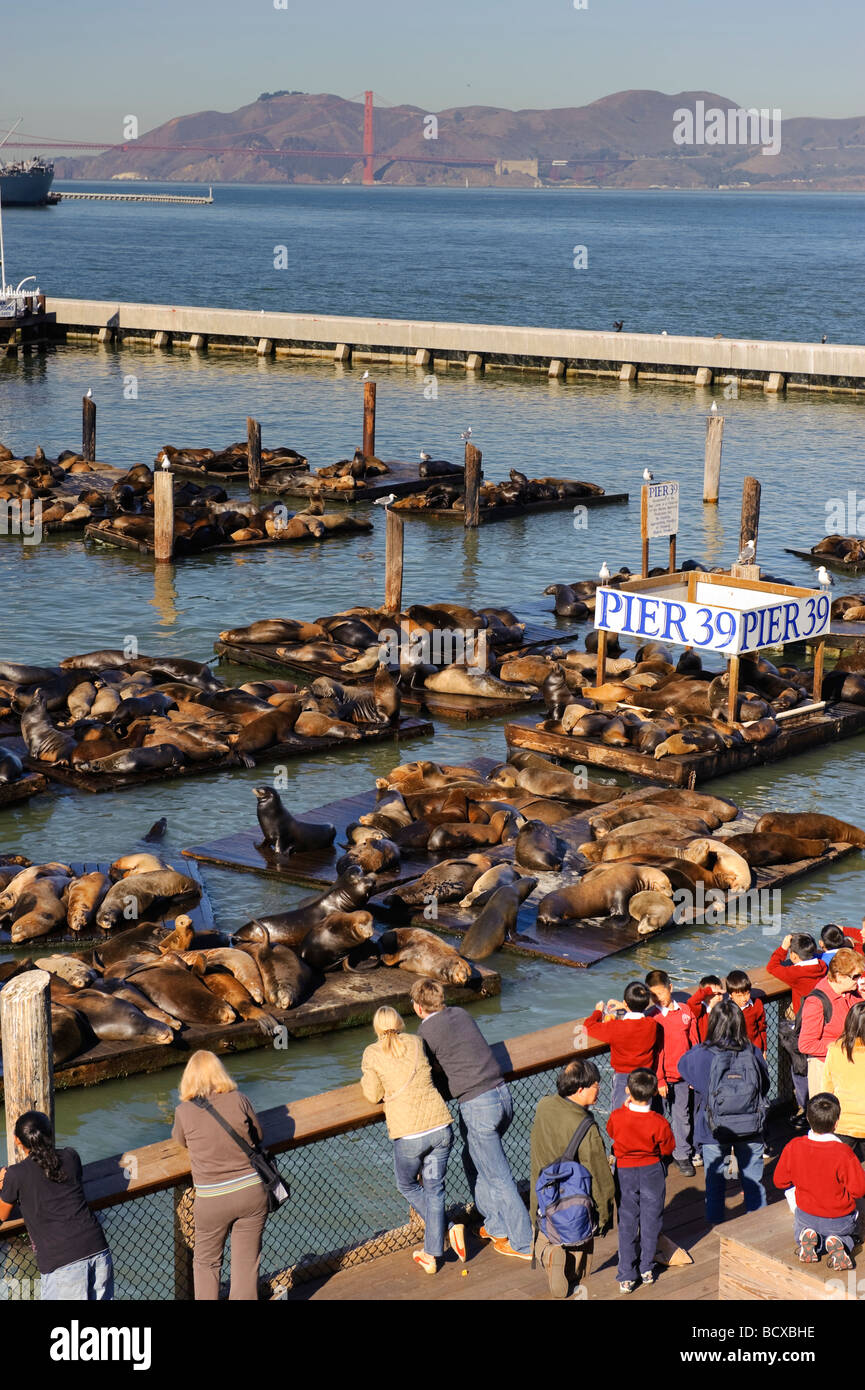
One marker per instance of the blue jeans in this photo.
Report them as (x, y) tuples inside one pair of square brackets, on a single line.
[(749, 1157), (641, 1214), (425, 1157), (88, 1280), (483, 1121), (844, 1227)]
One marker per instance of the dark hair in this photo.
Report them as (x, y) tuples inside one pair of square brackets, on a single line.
[(657, 977), (823, 1112), (33, 1131), (854, 1029), (832, 937), (576, 1075), (804, 945), (737, 980), (727, 1026), (642, 1084), (710, 980), (637, 997)]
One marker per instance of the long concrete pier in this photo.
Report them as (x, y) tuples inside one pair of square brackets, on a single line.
[(64, 196), (435, 346)]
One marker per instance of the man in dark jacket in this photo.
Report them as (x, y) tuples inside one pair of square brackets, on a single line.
[(557, 1119), (465, 1069)]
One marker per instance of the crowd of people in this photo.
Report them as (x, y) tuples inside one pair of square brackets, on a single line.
[(690, 1087)]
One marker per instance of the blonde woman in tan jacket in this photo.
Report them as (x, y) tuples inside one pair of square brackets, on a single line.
[(395, 1070)]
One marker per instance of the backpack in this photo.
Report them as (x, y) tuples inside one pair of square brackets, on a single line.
[(735, 1104), (567, 1214), (789, 1030)]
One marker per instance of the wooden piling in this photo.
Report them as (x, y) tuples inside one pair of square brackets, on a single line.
[(253, 453), (733, 673), (88, 429), (163, 514), (369, 419), (393, 553), (817, 686), (28, 1056), (602, 657), (712, 468), (750, 513), (474, 474), (672, 569)]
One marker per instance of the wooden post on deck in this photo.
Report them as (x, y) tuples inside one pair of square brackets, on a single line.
[(672, 569), (712, 467), (253, 453), (88, 429), (733, 672), (28, 1055), (817, 685), (393, 557), (368, 419), (602, 657), (473, 477), (750, 514), (163, 514)]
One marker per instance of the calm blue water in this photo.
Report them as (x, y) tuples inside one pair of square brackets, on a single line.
[(772, 266)]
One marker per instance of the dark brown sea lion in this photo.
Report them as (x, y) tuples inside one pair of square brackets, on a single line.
[(351, 891), (567, 604), (497, 919), (144, 937), (775, 848), (180, 993), (423, 953), (537, 847), (375, 856), (114, 1019), (330, 940), (70, 1033), (286, 980), (125, 990), (160, 757), (604, 892), (446, 882), (225, 986), (142, 894), (45, 742), (810, 825), (701, 802), (11, 767), (502, 827), (282, 833)]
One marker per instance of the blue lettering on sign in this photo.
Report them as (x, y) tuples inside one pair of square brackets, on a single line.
[(650, 608), (611, 602), (628, 622), (791, 621), (674, 618), (752, 619)]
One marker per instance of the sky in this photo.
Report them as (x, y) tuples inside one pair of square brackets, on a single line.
[(88, 64)]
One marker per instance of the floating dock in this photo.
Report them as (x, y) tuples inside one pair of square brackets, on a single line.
[(64, 196), (832, 562), (102, 534), (29, 785), (402, 480), (487, 515)]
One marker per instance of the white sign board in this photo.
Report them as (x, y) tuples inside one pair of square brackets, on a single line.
[(660, 510), (772, 620)]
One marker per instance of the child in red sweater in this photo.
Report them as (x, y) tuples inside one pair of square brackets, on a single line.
[(635, 1041), (680, 1034), (703, 1000), (641, 1142), (796, 963), (739, 990), (826, 1178)]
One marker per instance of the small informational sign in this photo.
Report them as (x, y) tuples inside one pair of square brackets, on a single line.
[(772, 621), (659, 515)]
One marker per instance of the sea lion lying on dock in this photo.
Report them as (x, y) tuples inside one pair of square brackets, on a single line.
[(423, 953), (811, 825)]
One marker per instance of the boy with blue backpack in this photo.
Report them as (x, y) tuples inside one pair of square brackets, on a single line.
[(572, 1188), (642, 1141)]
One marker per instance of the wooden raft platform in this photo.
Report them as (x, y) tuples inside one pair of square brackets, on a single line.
[(402, 480), (840, 720), (830, 561), (104, 535), (293, 747), (29, 785), (758, 1262), (245, 853), (240, 475), (487, 515), (345, 1000)]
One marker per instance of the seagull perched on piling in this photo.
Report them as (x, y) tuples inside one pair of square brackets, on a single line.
[(424, 456), (88, 394), (714, 409), (385, 501), (604, 573), (467, 433), (163, 458), (824, 578), (365, 376), (647, 476), (823, 339), (747, 553)]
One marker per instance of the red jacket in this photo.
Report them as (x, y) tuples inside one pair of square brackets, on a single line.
[(680, 1032), (800, 978), (826, 1174), (755, 1022), (697, 1007), (640, 1137), (815, 1035), (634, 1042)]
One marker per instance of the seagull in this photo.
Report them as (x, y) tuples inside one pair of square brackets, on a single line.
[(663, 332), (823, 339), (424, 456), (385, 501), (604, 573), (365, 376), (165, 462), (647, 476), (714, 410), (747, 553), (467, 433), (618, 325), (88, 394), (824, 578)]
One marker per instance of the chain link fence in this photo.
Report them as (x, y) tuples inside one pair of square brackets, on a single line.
[(344, 1206)]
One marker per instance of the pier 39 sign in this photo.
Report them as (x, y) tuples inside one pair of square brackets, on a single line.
[(734, 620)]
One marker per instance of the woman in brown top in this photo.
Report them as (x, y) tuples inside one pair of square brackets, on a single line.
[(229, 1196)]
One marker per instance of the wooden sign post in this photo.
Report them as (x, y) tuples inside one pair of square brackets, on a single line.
[(474, 475), (712, 466), (28, 1055), (369, 419), (88, 429), (393, 558), (163, 513), (659, 516), (253, 453)]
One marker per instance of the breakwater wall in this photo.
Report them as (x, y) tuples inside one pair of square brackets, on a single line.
[(434, 346)]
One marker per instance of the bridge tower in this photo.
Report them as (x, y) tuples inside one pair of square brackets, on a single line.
[(368, 142)]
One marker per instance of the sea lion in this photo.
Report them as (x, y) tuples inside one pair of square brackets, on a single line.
[(26, 877), (630, 814), (497, 919), (270, 631), (282, 833), (775, 848), (349, 893), (142, 894), (603, 892), (141, 863), (180, 938), (114, 1019), (811, 825), (499, 876), (143, 938), (328, 941), (124, 990), (45, 742), (537, 847), (11, 767), (567, 604), (156, 831), (240, 964), (636, 850), (701, 802), (459, 680), (286, 979), (228, 988), (446, 882), (180, 993), (376, 856), (423, 953), (70, 1033), (83, 897), (159, 757), (38, 911), (731, 871), (502, 827), (650, 911), (74, 971)]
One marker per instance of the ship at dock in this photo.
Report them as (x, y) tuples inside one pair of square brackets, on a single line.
[(26, 183)]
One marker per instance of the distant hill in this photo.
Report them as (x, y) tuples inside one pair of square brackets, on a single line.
[(625, 140)]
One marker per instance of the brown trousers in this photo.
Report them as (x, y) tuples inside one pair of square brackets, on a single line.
[(241, 1215)]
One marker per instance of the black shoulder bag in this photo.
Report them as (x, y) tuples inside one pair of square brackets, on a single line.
[(275, 1186)]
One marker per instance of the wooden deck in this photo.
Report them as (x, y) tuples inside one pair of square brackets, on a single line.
[(758, 1262), (403, 479), (487, 515), (840, 720), (29, 785), (830, 561)]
